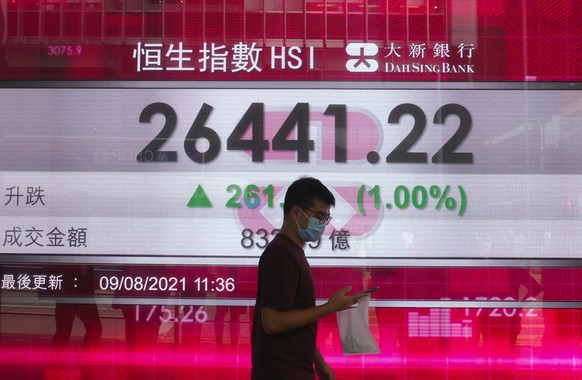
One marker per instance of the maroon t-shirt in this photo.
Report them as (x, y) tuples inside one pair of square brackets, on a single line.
[(284, 283)]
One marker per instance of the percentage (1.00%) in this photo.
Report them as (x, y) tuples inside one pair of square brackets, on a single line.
[(419, 197)]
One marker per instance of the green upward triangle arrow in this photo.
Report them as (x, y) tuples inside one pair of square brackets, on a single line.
[(199, 199)]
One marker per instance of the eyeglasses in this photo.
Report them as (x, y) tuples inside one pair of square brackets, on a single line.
[(321, 217)]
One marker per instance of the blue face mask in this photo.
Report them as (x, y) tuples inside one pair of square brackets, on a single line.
[(313, 231)]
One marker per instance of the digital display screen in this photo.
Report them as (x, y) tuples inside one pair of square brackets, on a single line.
[(146, 172), (146, 148)]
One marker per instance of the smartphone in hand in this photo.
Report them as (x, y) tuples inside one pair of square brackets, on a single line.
[(371, 290), (365, 293)]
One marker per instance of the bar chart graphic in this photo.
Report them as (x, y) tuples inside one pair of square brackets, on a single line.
[(437, 324)]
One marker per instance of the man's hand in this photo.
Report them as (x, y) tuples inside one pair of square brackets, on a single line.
[(275, 321), (322, 369), (339, 301)]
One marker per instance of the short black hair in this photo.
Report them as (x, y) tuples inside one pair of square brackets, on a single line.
[(304, 191)]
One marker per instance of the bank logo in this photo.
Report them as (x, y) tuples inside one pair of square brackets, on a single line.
[(364, 54)]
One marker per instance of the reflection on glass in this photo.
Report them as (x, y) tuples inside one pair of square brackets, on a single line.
[(140, 321), (77, 285)]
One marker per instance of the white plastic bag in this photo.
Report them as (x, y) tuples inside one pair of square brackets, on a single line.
[(355, 331)]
